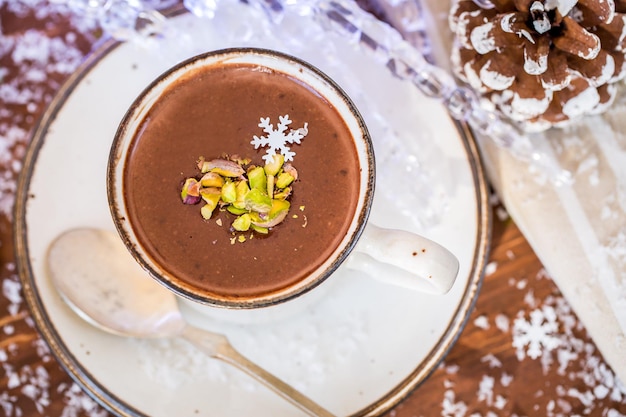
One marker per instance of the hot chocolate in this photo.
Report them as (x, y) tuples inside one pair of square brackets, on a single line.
[(216, 110)]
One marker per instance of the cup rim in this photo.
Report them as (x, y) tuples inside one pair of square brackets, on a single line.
[(125, 135)]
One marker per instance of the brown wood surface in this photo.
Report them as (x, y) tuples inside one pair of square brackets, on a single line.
[(484, 374)]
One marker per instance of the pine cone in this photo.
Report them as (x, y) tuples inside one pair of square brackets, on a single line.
[(541, 63)]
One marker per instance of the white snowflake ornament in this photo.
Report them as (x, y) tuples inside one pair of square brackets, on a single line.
[(277, 140)]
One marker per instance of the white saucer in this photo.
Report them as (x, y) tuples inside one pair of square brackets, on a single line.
[(363, 345)]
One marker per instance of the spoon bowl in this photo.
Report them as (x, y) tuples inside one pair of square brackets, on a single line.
[(93, 274), (100, 281)]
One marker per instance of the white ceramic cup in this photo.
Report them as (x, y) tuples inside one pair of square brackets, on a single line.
[(417, 262)]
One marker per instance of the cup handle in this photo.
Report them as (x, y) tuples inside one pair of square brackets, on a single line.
[(416, 262)]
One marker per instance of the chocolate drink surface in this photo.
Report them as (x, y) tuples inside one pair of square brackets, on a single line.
[(215, 111)]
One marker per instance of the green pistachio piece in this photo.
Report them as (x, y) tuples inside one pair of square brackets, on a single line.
[(259, 229), (271, 182), (190, 193), (212, 179), (257, 200), (240, 160), (289, 169), (257, 178), (211, 195), (258, 218), (279, 207), (242, 189), (273, 167), (207, 211), (283, 194), (225, 168), (277, 214), (284, 179), (203, 165), (236, 211), (242, 223), (229, 192)]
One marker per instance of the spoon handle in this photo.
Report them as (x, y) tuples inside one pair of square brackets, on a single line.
[(217, 346)]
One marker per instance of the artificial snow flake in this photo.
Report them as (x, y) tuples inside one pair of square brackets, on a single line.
[(277, 139), (450, 407), (492, 360), (485, 389), (531, 337), (482, 322)]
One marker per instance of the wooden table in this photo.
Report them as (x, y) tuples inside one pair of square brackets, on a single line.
[(496, 368)]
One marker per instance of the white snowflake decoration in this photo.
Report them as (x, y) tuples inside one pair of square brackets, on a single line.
[(532, 337), (277, 140)]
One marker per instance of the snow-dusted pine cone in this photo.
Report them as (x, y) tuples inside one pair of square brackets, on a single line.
[(544, 62)]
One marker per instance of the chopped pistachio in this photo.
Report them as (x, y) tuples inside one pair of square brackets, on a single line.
[(225, 168), (271, 181), (236, 211), (291, 170), (277, 214), (190, 193), (212, 179), (241, 238), (229, 192), (259, 229), (203, 165), (207, 211), (257, 200), (283, 194), (242, 223), (279, 206), (257, 178), (211, 195), (273, 167), (284, 179), (241, 161), (242, 189)]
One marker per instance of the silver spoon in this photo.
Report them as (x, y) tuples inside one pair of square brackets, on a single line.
[(96, 276)]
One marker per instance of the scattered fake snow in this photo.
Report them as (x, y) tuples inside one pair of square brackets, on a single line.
[(546, 332), (37, 56), (491, 268), (481, 322), (502, 322)]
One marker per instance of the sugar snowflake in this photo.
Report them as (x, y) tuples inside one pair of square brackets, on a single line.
[(532, 337), (277, 139)]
